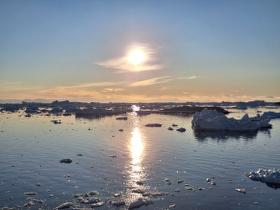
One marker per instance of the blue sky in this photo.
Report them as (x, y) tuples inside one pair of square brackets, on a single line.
[(205, 50)]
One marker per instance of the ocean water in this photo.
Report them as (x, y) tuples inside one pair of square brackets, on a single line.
[(114, 162)]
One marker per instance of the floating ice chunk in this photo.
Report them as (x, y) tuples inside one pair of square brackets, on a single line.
[(153, 125), (241, 190), (181, 130), (213, 120), (65, 205), (139, 203), (269, 176), (67, 160), (30, 193), (121, 118)]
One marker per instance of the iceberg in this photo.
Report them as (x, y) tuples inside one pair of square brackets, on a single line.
[(269, 176), (271, 115), (213, 120)]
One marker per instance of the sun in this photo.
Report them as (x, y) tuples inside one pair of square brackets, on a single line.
[(136, 56)]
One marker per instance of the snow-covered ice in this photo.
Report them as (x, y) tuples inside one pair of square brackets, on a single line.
[(213, 120)]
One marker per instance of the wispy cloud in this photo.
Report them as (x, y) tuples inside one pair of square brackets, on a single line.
[(159, 80), (92, 84), (112, 90), (186, 77), (93, 91), (121, 64), (152, 81), (191, 77)]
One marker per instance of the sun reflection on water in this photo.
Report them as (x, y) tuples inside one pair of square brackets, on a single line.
[(136, 147), (135, 170)]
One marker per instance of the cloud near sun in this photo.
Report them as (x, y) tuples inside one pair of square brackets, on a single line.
[(159, 80), (137, 58)]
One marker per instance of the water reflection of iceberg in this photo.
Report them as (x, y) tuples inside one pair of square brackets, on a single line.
[(226, 135)]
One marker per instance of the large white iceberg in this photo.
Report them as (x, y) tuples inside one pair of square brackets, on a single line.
[(213, 120), (268, 176)]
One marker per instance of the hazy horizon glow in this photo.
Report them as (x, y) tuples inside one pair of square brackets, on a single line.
[(140, 51)]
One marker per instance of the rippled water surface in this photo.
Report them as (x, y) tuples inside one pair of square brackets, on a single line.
[(113, 162)]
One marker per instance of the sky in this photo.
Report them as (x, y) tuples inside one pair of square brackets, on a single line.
[(140, 51)]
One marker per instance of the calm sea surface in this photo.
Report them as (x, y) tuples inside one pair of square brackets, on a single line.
[(113, 161)]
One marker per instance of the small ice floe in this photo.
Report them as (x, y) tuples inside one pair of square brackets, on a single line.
[(82, 200), (154, 194), (30, 193), (149, 193), (213, 182), (180, 181), (91, 193), (172, 206), (177, 190), (121, 118), (139, 191), (34, 200), (97, 204), (181, 130), (174, 125), (170, 129), (241, 190), (29, 204), (76, 195), (213, 120), (67, 160), (89, 198), (210, 181), (65, 205), (56, 121), (139, 203), (269, 176), (117, 203), (67, 176), (271, 115), (112, 156), (117, 194), (167, 181), (121, 130), (153, 125), (7, 208)]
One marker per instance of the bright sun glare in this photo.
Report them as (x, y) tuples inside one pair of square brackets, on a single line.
[(136, 56)]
